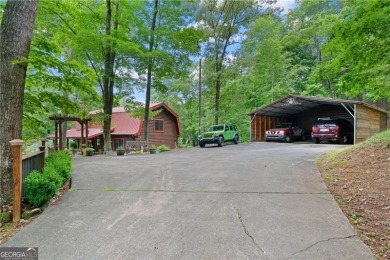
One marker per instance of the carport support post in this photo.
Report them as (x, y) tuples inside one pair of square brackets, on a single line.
[(250, 128), (17, 177)]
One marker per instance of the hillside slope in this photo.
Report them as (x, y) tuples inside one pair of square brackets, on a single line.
[(359, 179)]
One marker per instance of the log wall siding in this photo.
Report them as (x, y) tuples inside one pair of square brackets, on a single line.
[(125, 138), (166, 137)]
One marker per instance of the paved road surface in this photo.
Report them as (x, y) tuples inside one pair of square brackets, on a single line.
[(246, 201)]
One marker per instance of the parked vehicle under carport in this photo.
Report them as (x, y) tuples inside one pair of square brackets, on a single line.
[(286, 132), (332, 130)]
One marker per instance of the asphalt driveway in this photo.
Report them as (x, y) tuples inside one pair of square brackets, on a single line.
[(246, 201)]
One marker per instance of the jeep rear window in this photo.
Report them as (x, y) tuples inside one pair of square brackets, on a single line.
[(216, 128)]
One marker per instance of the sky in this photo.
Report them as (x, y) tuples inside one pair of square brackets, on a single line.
[(285, 4)]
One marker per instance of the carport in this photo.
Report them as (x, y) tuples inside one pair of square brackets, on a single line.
[(305, 110)]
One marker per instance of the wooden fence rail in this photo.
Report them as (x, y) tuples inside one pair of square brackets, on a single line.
[(31, 162)]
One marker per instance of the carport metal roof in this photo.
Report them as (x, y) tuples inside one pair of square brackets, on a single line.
[(293, 104)]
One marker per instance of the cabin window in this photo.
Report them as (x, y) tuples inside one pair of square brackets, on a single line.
[(159, 125)]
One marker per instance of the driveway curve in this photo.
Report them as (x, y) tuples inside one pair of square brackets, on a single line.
[(246, 201)]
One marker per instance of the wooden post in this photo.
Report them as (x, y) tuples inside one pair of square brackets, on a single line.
[(56, 135), (42, 148), (60, 122), (86, 133), (82, 138), (17, 177)]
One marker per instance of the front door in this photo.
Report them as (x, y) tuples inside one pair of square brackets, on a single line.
[(117, 143)]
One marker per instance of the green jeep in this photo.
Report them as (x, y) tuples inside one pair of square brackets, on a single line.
[(219, 134)]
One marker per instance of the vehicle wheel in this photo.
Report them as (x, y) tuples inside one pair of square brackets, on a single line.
[(220, 141), (201, 144), (236, 139), (344, 139), (287, 139), (316, 140)]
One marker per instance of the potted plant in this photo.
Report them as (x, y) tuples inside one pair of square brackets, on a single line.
[(73, 146), (152, 149), (120, 150), (89, 151)]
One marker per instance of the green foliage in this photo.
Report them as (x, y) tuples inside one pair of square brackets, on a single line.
[(382, 138), (89, 151), (162, 148), (73, 145), (359, 46), (61, 163), (41, 187)]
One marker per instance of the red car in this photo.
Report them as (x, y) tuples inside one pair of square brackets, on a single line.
[(332, 130), (286, 132)]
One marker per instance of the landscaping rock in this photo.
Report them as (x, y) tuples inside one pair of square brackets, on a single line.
[(31, 213), (6, 216)]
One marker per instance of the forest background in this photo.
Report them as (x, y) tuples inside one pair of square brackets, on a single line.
[(250, 54)]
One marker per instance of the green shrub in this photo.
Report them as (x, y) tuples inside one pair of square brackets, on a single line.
[(60, 162), (53, 176), (162, 148), (41, 187), (89, 151)]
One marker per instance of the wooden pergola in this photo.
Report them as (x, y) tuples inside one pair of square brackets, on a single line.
[(59, 119)]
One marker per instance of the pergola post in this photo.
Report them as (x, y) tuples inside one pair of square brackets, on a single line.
[(82, 136), (58, 120), (86, 133), (60, 134), (55, 135)]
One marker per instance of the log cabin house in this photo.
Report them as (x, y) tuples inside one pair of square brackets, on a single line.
[(164, 129)]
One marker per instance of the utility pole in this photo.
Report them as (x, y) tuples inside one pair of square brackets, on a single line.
[(200, 97)]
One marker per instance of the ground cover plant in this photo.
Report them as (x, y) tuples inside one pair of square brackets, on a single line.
[(359, 179)]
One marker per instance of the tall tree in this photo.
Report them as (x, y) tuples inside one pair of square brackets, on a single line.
[(168, 43), (359, 50), (266, 61), (99, 34), (109, 74), (15, 38), (150, 68), (224, 23), (307, 32)]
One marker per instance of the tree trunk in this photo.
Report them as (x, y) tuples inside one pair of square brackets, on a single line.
[(149, 74), (217, 97), (108, 77), (15, 37)]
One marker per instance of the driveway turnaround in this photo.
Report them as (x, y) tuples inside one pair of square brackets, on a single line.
[(245, 201)]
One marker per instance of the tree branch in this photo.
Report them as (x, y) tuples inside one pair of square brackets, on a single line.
[(86, 53)]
